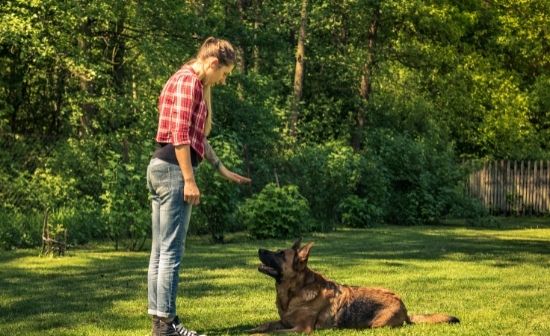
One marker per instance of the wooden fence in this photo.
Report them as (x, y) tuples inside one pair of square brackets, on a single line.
[(513, 187)]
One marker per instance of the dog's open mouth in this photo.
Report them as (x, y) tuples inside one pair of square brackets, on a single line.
[(268, 270)]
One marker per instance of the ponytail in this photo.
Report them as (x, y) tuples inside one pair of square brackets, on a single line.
[(225, 53)]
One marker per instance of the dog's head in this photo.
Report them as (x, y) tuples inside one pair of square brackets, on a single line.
[(286, 263)]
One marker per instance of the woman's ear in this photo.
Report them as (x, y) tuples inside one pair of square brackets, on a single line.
[(214, 63)]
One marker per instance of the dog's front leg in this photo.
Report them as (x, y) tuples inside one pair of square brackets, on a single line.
[(267, 327), (301, 330), (297, 329)]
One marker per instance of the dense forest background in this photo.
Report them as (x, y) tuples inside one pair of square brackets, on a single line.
[(344, 113)]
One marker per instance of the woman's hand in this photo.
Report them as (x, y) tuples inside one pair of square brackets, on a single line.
[(191, 193), (231, 176)]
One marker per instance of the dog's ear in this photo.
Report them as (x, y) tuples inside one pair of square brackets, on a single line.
[(296, 244), (303, 252)]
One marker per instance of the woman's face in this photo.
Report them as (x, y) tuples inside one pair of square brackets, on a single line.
[(216, 74)]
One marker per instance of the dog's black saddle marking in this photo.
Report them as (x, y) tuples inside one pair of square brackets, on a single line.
[(358, 313)]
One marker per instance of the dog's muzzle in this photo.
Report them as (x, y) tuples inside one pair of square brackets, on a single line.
[(266, 258)]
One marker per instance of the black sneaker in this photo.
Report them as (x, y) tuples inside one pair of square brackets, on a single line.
[(156, 326), (175, 328)]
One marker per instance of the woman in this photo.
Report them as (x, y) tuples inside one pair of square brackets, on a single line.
[(185, 120)]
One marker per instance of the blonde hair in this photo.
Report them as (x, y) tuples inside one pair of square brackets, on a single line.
[(225, 53)]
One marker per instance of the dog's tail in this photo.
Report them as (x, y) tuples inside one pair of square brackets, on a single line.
[(433, 318)]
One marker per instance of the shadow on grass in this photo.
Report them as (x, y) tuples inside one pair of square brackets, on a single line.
[(52, 294), (240, 329), (393, 245), (47, 296)]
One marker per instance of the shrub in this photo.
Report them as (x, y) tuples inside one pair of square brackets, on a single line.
[(276, 212), (423, 177), (358, 212), (373, 187), (325, 174), (27, 196), (82, 220), (126, 211), (219, 198), (51, 189), (18, 229), (469, 208)]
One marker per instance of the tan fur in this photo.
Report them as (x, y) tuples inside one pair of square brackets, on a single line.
[(306, 300)]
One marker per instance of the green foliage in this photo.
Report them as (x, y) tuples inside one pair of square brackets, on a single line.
[(82, 221), (325, 174), (28, 199), (423, 177), (276, 212), (126, 210), (19, 229), (83, 158), (373, 187), (78, 82), (51, 190), (219, 198), (358, 212), (246, 110)]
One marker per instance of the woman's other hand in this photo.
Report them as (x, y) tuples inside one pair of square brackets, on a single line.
[(234, 177)]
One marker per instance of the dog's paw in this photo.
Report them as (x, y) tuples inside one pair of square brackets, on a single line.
[(255, 331), (266, 328)]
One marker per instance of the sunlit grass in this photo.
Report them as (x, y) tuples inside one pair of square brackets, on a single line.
[(496, 280)]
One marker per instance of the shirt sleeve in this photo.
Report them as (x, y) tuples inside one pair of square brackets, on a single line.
[(182, 109)]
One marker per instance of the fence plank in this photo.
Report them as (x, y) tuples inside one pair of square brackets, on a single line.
[(492, 193), (503, 192), (525, 187), (510, 188), (518, 187), (547, 193), (537, 186)]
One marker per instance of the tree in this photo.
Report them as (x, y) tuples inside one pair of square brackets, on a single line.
[(299, 72)]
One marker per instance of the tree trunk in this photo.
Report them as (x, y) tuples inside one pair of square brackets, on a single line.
[(87, 108), (299, 73), (117, 55), (242, 61), (366, 80), (255, 49), (61, 79)]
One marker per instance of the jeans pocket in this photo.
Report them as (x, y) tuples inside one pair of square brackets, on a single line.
[(159, 178), (164, 177)]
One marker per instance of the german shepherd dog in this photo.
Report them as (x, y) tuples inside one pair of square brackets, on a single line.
[(306, 300)]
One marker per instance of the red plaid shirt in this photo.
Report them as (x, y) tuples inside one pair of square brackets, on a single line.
[(182, 111)]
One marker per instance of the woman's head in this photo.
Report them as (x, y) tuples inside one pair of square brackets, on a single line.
[(214, 61), (220, 49)]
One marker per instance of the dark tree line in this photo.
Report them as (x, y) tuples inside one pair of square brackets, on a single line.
[(411, 88)]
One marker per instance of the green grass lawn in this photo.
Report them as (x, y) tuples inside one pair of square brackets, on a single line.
[(496, 280)]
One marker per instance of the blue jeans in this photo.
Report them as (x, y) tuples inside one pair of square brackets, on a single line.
[(170, 220)]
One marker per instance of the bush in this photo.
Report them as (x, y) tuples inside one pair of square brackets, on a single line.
[(358, 212), (219, 197), (18, 229), (27, 196), (276, 212), (469, 208), (82, 220), (325, 174), (126, 210), (423, 177), (373, 187)]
